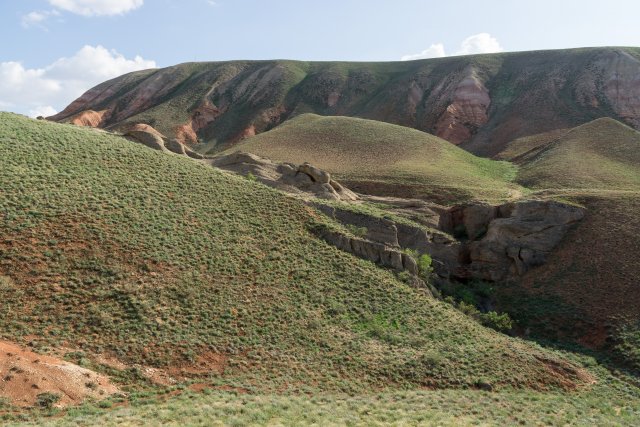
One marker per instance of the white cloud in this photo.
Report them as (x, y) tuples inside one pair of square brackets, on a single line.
[(477, 43), (44, 111), (97, 7), (434, 51), (36, 90), (38, 18)]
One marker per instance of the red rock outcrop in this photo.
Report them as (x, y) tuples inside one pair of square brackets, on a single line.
[(201, 117), (467, 111), (90, 118)]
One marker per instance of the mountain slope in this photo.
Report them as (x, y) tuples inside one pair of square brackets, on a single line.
[(479, 101), (114, 250), (381, 157)]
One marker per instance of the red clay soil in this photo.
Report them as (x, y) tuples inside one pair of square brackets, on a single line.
[(89, 118), (25, 374), (187, 134)]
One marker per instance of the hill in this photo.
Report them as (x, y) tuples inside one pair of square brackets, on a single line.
[(156, 269), (124, 253), (600, 155), (480, 101), (384, 159), (587, 293)]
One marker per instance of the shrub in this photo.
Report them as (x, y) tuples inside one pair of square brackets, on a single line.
[(251, 177), (47, 400), (357, 231), (501, 322), (424, 265)]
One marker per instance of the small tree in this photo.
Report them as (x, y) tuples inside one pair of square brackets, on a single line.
[(424, 266)]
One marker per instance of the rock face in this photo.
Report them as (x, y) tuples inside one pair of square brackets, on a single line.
[(147, 135), (285, 176), (467, 111), (480, 101), (508, 240), (444, 250), (371, 251), (494, 243)]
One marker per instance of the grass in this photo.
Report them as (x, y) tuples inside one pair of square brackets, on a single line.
[(156, 260), (611, 402), (377, 154), (601, 155), (110, 248)]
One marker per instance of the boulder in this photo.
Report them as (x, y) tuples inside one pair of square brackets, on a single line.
[(316, 174), (149, 139)]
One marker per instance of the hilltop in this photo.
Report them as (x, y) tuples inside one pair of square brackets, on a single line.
[(384, 159), (481, 102), (600, 155)]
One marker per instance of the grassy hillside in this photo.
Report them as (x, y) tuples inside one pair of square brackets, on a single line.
[(601, 155), (480, 101), (588, 291), (384, 158), (109, 247)]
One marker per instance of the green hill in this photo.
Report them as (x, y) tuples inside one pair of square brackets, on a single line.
[(382, 158), (587, 292), (154, 259), (600, 155), (132, 261)]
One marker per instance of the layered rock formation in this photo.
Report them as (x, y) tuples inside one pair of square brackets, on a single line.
[(481, 102), (297, 179), (494, 243), (147, 135), (508, 240)]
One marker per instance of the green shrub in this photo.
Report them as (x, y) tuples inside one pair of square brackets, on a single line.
[(424, 265), (357, 231), (251, 177), (47, 400), (501, 322)]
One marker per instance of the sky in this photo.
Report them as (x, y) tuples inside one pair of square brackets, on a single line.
[(55, 50)]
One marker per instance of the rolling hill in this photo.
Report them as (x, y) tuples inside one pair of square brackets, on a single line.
[(600, 155), (481, 101), (154, 269), (384, 159), (116, 250)]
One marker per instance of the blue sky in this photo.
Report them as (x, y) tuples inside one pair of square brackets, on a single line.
[(53, 50)]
